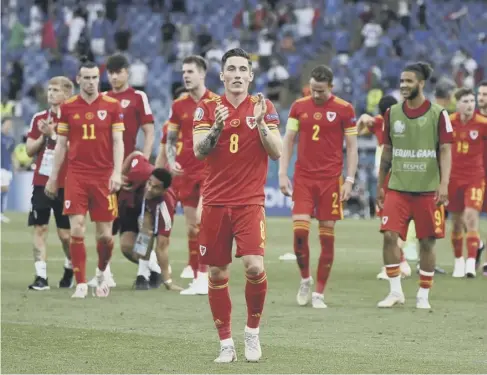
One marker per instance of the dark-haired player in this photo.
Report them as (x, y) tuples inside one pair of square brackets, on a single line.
[(323, 122), (482, 110), (187, 170), (367, 124), (467, 184), (137, 114), (235, 133), (92, 123), (147, 193), (417, 154)]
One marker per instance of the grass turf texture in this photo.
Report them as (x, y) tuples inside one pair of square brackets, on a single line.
[(158, 331)]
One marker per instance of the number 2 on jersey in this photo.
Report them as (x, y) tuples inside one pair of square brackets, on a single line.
[(88, 131), (234, 143), (316, 131)]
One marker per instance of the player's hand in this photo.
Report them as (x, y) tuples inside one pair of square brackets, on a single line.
[(221, 114), (441, 197), (115, 182), (46, 128), (176, 169), (51, 189), (380, 197), (126, 185), (172, 287), (260, 108), (364, 122), (346, 191), (285, 185)]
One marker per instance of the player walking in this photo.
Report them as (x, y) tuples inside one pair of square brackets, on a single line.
[(188, 170), (236, 134), (41, 140), (323, 122), (415, 131), (93, 125)]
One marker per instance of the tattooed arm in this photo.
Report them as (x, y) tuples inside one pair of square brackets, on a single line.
[(204, 143), (271, 140), (172, 140)]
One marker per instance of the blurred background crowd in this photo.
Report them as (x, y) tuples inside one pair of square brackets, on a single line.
[(365, 42)]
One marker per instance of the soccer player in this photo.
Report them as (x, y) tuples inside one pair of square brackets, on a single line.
[(323, 122), (41, 140), (92, 123), (482, 110), (188, 170), (147, 193), (467, 184), (417, 154), (137, 114), (367, 124), (235, 133)]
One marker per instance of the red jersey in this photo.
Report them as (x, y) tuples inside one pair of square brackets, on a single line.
[(377, 129), (322, 130), (237, 167), (444, 125), (485, 147), (468, 148), (89, 128), (40, 179), (181, 119), (136, 113)]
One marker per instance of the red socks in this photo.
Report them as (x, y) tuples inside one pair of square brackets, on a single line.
[(393, 270), (78, 258), (221, 307), (301, 246), (426, 279), (255, 292), (104, 249), (327, 241), (473, 242), (457, 243), (193, 254)]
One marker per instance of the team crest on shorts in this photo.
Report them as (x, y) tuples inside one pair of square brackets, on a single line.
[(251, 122), (102, 115), (67, 204), (202, 250), (385, 219), (331, 116), (474, 134), (125, 103)]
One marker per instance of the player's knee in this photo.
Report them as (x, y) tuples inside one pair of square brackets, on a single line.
[(64, 237), (78, 228), (105, 238), (390, 239), (40, 231), (254, 265), (471, 219), (162, 243), (327, 224), (218, 273), (427, 244), (193, 230)]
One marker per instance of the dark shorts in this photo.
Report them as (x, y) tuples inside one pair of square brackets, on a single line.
[(41, 207)]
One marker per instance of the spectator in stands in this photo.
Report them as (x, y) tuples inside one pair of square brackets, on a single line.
[(444, 94), (186, 40), (122, 37), (35, 27), (49, 40), (138, 74), (168, 30), (305, 16), (99, 31), (16, 80), (422, 15), (111, 10), (371, 34), (277, 77), (204, 40), (266, 46), (17, 33), (178, 6), (404, 13), (76, 27)]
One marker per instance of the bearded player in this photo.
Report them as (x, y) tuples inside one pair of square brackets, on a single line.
[(147, 192), (417, 154), (41, 140), (323, 121), (236, 134), (467, 184), (367, 124), (482, 110), (187, 170), (92, 123), (137, 115)]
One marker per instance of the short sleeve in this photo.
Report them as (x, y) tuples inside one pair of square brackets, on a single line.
[(202, 118), (386, 129), (293, 118), (140, 170), (349, 122), (164, 133), (117, 118), (271, 118), (34, 131), (445, 128), (174, 122), (377, 125), (63, 123), (144, 108)]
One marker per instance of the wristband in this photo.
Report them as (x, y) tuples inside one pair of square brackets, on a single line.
[(350, 179)]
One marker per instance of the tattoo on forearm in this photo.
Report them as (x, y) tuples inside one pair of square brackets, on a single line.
[(263, 131), (209, 142), (172, 139)]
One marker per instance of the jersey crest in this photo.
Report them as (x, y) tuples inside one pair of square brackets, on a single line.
[(251, 122), (474, 134), (102, 115), (125, 103), (331, 116)]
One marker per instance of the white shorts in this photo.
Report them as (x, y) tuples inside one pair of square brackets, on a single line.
[(5, 177)]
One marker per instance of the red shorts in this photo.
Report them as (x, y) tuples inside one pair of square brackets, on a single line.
[(220, 225), (318, 198), (463, 195), (188, 190), (386, 189), (83, 194), (401, 208)]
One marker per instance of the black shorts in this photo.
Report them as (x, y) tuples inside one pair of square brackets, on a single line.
[(41, 207), (127, 221)]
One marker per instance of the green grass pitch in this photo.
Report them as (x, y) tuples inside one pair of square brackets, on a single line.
[(158, 331)]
